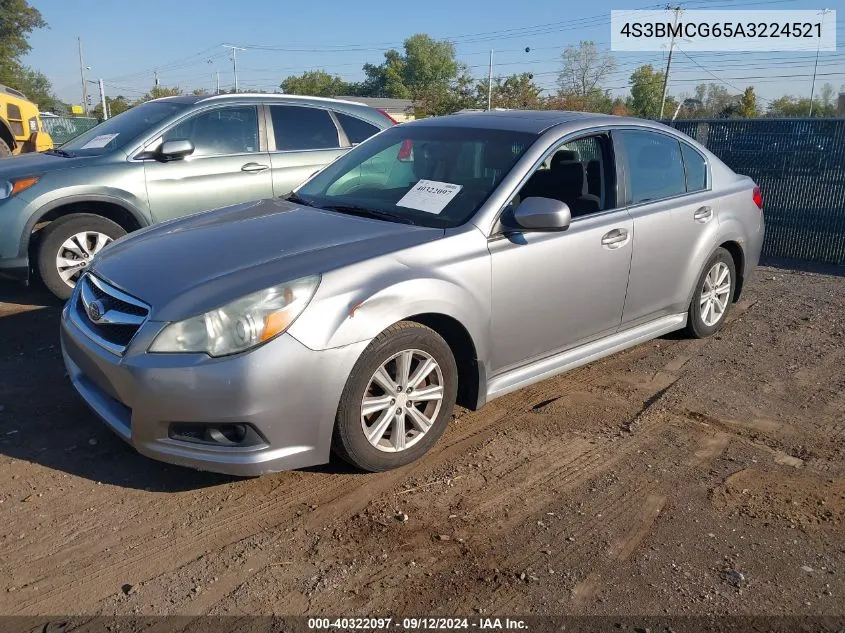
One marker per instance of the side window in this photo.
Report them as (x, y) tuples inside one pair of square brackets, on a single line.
[(655, 168), (298, 128), (357, 131), (695, 168), (221, 131), (578, 173)]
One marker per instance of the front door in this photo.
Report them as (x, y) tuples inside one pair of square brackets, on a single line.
[(555, 290), (228, 165)]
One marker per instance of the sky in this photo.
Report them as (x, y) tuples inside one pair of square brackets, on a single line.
[(125, 43)]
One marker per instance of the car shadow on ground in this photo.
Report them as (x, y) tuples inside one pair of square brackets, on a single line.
[(43, 420)]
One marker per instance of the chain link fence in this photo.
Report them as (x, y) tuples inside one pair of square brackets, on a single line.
[(800, 167), (63, 128)]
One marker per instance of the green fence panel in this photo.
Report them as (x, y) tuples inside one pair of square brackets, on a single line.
[(63, 128), (800, 167)]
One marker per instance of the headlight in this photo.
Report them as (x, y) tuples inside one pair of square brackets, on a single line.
[(10, 188), (241, 324)]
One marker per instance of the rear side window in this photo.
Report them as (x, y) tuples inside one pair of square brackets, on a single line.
[(298, 128), (695, 168), (655, 168), (357, 131)]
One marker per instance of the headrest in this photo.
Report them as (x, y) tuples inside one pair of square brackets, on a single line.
[(653, 157), (569, 176), (564, 156)]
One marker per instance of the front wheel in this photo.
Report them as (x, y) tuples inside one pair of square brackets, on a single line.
[(713, 295), (397, 400), (67, 246)]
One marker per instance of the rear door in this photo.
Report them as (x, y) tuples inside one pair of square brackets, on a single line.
[(674, 210), (303, 139), (229, 164)]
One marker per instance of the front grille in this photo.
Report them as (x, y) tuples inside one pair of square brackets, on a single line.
[(109, 316)]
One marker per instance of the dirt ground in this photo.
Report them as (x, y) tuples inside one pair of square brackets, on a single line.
[(679, 477)]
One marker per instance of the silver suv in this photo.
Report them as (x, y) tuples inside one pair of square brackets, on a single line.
[(454, 258), (161, 160)]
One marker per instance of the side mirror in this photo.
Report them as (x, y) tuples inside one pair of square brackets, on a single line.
[(176, 149), (542, 214)]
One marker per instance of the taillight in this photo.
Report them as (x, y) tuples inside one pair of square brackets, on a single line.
[(387, 116), (405, 150), (758, 197)]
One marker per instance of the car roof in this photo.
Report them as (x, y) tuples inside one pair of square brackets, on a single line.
[(533, 121), (257, 96)]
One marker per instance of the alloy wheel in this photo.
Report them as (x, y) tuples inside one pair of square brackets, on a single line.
[(76, 252), (402, 400), (715, 294)]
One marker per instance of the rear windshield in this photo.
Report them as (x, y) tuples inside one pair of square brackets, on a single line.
[(431, 176), (122, 129)]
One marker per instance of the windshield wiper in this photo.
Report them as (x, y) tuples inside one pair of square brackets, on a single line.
[(296, 199), (369, 213), (59, 152)]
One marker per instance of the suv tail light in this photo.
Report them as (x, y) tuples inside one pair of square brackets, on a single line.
[(758, 197), (405, 151), (387, 116)]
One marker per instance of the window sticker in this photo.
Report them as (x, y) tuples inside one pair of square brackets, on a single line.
[(100, 141), (430, 196)]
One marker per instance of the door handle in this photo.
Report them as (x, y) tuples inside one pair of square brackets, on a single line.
[(252, 168), (615, 238), (703, 214)]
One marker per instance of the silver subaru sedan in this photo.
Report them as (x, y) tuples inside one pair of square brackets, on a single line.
[(449, 260)]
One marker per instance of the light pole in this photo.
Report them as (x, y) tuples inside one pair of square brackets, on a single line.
[(235, 50), (490, 79), (823, 13)]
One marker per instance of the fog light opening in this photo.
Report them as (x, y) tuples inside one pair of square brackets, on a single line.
[(234, 435)]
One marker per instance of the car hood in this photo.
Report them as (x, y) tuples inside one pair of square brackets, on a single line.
[(194, 264), (37, 163)]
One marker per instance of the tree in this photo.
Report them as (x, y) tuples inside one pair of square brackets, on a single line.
[(37, 88), (716, 100), (316, 83), (426, 66), (790, 106), (445, 98), (748, 104), (158, 92), (17, 20), (584, 70), (517, 91), (116, 105), (826, 94), (646, 92)]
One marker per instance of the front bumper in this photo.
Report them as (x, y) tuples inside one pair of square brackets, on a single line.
[(288, 392)]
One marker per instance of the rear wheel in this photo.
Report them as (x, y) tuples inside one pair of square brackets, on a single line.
[(67, 246), (713, 295), (397, 400), (5, 150)]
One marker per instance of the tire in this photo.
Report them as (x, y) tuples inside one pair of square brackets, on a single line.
[(706, 315), (58, 233), (349, 440), (5, 150)]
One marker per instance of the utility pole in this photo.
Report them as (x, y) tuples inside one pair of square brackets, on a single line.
[(235, 50), (490, 83), (155, 78), (82, 77), (677, 11), (103, 100), (217, 73), (823, 13)]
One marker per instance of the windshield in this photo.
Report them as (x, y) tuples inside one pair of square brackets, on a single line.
[(431, 176), (122, 129)]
